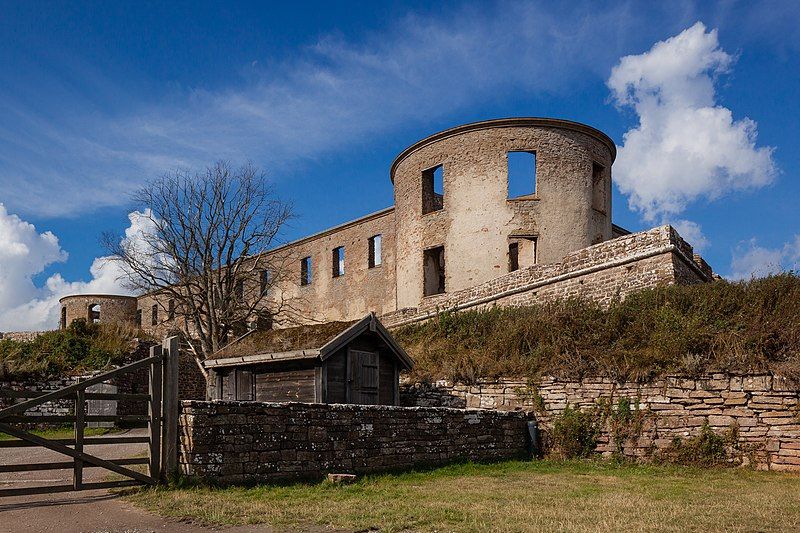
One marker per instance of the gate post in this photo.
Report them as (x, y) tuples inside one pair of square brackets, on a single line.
[(171, 408), (155, 413)]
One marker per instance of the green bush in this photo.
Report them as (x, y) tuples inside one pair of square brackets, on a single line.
[(744, 326), (574, 433), (705, 449), (79, 348)]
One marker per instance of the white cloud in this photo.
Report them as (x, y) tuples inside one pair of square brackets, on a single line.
[(751, 260), (335, 93), (686, 146), (692, 233), (24, 253)]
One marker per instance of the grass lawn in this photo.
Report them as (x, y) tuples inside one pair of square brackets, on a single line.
[(62, 433), (510, 496)]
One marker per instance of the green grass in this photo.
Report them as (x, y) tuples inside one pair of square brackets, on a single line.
[(747, 326), (62, 433), (509, 496)]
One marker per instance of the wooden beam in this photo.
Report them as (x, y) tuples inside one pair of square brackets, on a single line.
[(85, 457), (66, 391), (154, 408), (16, 443), (80, 413), (170, 408)]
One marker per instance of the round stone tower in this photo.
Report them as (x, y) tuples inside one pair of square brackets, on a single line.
[(102, 308), (461, 221)]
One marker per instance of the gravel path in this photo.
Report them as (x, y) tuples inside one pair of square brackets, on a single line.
[(91, 511)]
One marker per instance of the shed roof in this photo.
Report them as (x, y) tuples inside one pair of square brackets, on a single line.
[(302, 342)]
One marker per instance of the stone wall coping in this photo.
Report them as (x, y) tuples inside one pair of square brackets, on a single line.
[(210, 404), (510, 122)]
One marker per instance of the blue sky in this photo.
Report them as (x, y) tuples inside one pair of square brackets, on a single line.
[(96, 97)]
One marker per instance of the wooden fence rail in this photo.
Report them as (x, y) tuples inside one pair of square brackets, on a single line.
[(161, 420)]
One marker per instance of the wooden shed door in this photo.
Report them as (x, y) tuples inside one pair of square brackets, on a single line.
[(362, 379)]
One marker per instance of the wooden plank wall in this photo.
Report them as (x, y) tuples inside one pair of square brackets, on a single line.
[(286, 386)]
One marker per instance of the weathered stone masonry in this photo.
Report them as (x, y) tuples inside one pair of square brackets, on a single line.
[(764, 409), (235, 442), (603, 272)]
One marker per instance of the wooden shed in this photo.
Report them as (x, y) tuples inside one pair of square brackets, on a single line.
[(336, 362)]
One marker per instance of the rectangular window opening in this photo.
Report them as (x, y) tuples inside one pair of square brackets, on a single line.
[(305, 271), (154, 319), (433, 270), (238, 289), (337, 261), (171, 312), (598, 188), (374, 251), (433, 189), (521, 174), (265, 281), (513, 256), (138, 318)]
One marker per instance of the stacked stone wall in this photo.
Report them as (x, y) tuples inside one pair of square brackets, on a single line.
[(764, 410), (603, 272), (238, 442)]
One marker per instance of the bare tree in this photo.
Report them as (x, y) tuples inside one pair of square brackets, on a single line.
[(204, 247)]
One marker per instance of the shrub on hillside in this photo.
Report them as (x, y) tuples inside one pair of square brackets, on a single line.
[(744, 326), (574, 433), (80, 347)]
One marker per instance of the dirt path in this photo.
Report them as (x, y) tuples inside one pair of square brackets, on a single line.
[(79, 512)]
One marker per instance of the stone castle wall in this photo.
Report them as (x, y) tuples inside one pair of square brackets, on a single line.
[(602, 272), (478, 219), (236, 442), (764, 409), (113, 308)]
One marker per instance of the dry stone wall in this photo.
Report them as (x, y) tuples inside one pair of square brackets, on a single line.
[(603, 272), (237, 442), (762, 409)]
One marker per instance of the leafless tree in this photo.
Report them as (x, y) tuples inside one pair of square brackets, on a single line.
[(203, 246)]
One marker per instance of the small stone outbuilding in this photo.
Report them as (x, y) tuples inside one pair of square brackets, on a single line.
[(336, 362)]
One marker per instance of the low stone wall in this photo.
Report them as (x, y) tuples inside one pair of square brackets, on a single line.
[(240, 442), (763, 409), (602, 272)]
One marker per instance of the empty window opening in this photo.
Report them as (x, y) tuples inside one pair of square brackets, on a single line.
[(513, 256), (265, 281), (521, 252), (599, 195), (154, 320), (433, 269), (305, 271), (138, 318), (433, 189), (337, 261), (521, 174), (64, 317), (94, 313), (238, 289), (374, 251), (171, 310)]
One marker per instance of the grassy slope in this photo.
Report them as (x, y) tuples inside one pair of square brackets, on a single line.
[(750, 326), (511, 496), (80, 347)]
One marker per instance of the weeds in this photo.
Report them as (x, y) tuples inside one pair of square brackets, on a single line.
[(751, 326)]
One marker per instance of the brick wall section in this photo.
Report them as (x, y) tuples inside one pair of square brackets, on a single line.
[(764, 407), (602, 272), (236, 442)]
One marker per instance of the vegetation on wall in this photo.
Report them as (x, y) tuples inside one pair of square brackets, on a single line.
[(81, 347), (744, 326)]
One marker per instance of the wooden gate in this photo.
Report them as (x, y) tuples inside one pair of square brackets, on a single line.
[(162, 421)]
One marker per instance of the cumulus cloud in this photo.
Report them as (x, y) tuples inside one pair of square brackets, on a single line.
[(24, 253), (691, 232), (751, 260), (685, 146)]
